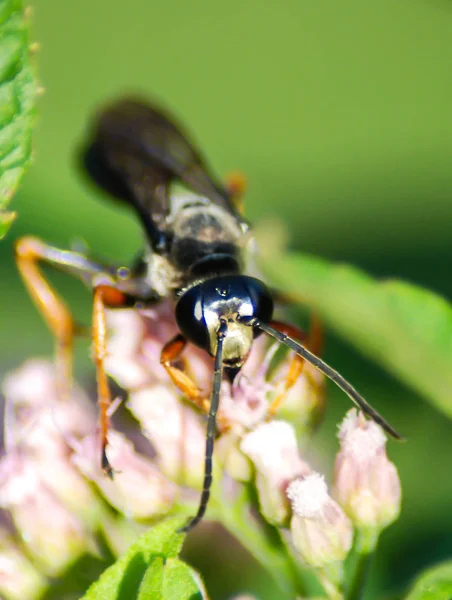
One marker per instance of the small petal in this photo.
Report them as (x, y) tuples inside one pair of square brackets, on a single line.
[(273, 449), (245, 403), (321, 532), (366, 483)]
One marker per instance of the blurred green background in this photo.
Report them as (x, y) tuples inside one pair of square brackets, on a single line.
[(340, 116)]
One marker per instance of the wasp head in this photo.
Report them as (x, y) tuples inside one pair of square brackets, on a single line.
[(231, 302)]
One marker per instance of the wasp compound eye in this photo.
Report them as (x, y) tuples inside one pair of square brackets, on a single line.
[(190, 317), (261, 299)]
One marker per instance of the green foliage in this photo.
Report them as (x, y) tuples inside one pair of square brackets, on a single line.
[(403, 327), (433, 584), (17, 100), (149, 569)]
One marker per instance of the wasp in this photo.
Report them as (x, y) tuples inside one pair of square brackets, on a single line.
[(194, 247)]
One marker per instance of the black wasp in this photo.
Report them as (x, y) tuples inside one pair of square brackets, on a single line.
[(193, 255)]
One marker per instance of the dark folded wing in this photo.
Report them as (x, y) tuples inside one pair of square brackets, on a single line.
[(137, 151)]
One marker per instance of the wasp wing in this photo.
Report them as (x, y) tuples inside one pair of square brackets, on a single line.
[(137, 151)]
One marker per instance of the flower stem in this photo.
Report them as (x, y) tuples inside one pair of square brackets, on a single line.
[(359, 577), (331, 577), (365, 545), (263, 542)]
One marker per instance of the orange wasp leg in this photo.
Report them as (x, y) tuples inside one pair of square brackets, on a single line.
[(314, 343), (236, 185), (29, 251), (105, 296), (171, 352)]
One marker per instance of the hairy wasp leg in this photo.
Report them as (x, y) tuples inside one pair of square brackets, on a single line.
[(236, 185), (314, 342), (105, 296), (29, 252), (171, 352)]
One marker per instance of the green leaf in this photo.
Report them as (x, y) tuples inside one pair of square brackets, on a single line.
[(433, 584), (17, 101), (180, 582), (128, 577), (152, 582), (403, 327), (173, 580)]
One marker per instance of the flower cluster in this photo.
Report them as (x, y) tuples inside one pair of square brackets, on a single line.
[(55, 498)]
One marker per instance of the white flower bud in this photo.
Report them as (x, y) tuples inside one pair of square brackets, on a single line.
[(273, 449), (321, 532), (366, 483)]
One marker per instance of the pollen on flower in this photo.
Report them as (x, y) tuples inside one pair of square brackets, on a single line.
[(360, 437), (309, 495), (366, 483), (321, 532), (266, 443)]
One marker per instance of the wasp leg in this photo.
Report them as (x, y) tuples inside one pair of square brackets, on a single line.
[(29, 252), (105, 296), (314, 342), (171, 351), (236, 185)]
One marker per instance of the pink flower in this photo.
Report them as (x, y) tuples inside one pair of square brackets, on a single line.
[(244, 404), (366, 483), (36, 419), (175, 430), (321, 532), (51, 532), (139, 490)]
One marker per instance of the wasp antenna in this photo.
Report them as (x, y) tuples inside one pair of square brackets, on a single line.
[(211, 431), (331, 373)]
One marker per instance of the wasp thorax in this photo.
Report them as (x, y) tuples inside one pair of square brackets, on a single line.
[(231, 299)]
